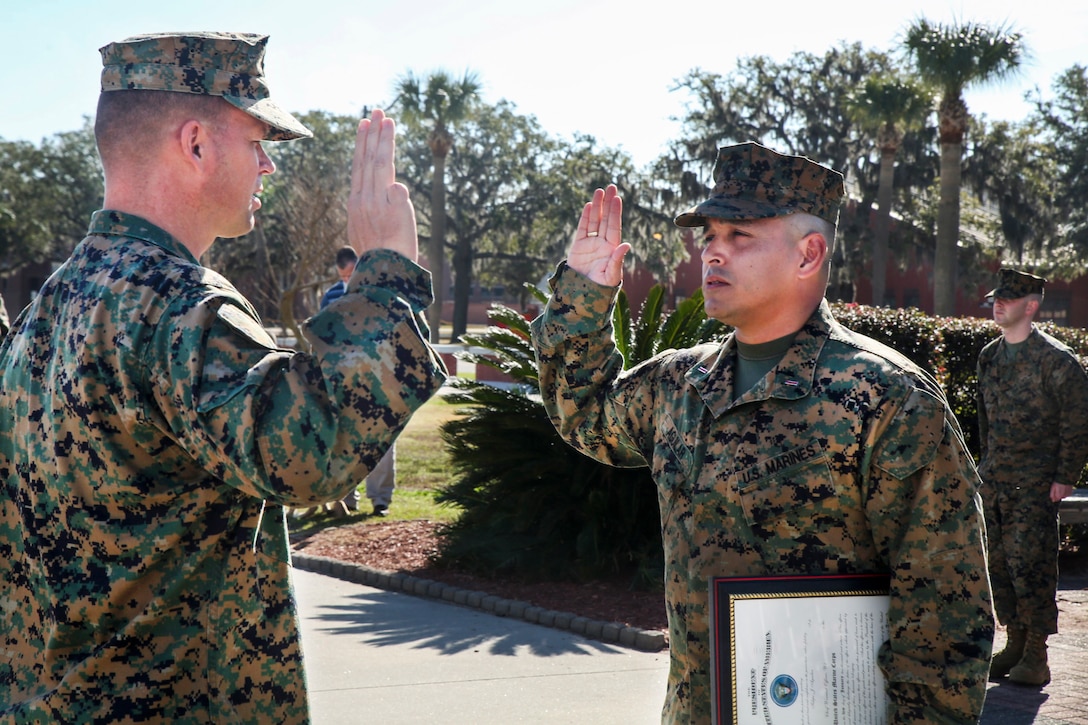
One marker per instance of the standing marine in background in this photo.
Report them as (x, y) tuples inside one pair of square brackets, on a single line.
[(1033, 433)]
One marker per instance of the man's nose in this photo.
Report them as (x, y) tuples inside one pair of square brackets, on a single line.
[(711, 254), (268, 166)]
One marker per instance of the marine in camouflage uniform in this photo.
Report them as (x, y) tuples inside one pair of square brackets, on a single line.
[(1033, 429), (155, 435), (843, 459)]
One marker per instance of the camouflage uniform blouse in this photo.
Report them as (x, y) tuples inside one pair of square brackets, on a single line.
[(1032, 413), (153, 435), (844, 459)]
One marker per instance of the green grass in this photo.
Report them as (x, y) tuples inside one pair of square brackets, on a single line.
[(422, 468), (422, 462)]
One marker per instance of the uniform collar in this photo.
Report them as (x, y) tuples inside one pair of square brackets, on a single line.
[(792, 378), (1028, 343), (110, 223)]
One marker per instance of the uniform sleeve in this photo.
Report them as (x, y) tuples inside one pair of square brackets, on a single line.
[(291, 427), (597, 408), (926, 518), (983, 421), (1070, 384)]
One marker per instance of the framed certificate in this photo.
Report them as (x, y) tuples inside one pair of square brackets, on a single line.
[(793, 650)]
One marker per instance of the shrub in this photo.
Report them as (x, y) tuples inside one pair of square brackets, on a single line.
[(534, 507), (947, 347)]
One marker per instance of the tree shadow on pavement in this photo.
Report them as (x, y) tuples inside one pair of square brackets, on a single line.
[(387, 619)]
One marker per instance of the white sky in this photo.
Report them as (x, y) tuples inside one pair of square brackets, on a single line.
[(601, 67)]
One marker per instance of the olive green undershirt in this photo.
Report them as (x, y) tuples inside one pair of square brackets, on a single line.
[(755, 361), (1012, 348)]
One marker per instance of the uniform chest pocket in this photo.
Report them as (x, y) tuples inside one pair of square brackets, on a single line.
[(672, 461), (790, 487)]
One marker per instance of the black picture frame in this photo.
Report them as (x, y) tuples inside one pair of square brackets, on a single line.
[(726, 591)]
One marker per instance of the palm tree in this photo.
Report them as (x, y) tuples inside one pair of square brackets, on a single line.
[(440, 101), (953, 57), (891, 106)]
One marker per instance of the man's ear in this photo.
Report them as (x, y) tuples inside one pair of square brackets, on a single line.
[(192, 142), (813, 254)]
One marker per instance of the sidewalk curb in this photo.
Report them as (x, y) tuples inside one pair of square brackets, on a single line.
[(643, 640)]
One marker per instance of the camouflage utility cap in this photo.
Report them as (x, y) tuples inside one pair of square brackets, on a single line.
[(230, 65), (1013, 284), (754, 182)]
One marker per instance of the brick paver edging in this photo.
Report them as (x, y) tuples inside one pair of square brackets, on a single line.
[(644, 640)]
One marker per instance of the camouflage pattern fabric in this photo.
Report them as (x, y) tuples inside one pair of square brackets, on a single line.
[(1013, 284), (230, 65), (752, 181), (845, 459), (158, 435), (1033, 428)]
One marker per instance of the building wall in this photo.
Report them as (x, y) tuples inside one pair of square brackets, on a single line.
[(1064, 303), (19, 288)]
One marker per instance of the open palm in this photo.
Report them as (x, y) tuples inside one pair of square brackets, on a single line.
[(597, 249), (380, 212)]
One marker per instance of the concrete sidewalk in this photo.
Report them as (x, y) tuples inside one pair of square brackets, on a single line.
[(377, 656), (374, 656)]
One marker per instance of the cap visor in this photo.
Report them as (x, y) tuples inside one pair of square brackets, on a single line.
[(720, 207), (283, 126)]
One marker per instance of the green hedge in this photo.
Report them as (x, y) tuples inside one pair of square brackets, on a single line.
[(947, 347)]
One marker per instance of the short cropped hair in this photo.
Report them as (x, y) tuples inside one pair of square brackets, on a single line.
[(346, 256), (128, 123), (805, 224)]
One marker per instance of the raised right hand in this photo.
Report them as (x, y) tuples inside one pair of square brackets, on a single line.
[(597, 249), (380, 212)]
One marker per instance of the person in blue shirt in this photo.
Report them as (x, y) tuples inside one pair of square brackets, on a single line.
[(345, 265)]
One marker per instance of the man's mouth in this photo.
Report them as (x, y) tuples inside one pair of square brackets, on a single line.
[(711, 281)]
